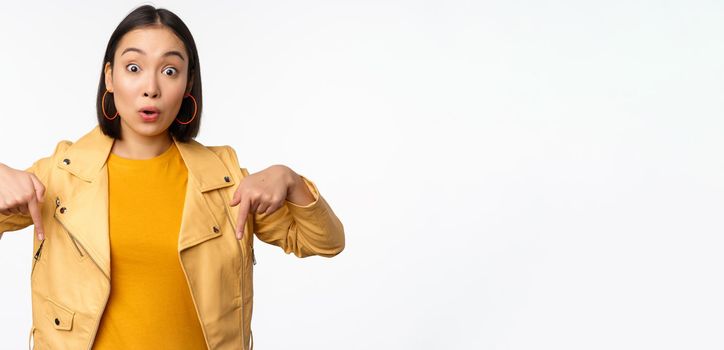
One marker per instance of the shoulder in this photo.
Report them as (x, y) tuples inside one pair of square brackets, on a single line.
[(42, 166), (228, 155), (222, 149), (225, 152), (61, 146)]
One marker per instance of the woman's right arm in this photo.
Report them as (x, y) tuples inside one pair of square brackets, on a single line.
[(21, 195)]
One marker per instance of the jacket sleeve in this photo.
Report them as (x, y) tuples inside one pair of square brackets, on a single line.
[(306, 230), (14, 222)]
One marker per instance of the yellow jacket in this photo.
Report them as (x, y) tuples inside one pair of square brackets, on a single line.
[(70, 276)]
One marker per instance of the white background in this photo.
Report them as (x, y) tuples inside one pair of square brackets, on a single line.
[(510, 174)]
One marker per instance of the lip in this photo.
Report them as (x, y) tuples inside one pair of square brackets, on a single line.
[(149, 117), (149, 108)]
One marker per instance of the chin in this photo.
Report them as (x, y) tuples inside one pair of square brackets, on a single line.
[(147, 129)]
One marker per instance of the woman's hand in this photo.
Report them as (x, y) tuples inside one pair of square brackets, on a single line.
[(21, 193), (262, 192)]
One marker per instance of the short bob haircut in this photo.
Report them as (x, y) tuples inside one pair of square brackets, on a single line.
[(148, 16)]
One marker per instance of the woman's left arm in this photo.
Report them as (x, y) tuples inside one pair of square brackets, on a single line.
[(289, 212)]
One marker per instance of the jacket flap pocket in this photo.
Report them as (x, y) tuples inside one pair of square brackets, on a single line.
[(61, 317)]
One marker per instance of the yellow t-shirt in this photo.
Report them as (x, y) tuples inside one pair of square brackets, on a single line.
[(150, 306)]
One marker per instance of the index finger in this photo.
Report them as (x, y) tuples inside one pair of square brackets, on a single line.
[(39, 188), (34, 210), (241, 220)]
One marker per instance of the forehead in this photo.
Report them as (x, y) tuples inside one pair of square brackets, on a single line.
[(154, 41)]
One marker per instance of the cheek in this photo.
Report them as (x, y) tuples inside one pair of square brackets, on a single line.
[(123, 90), (177, 86), (175, 92)]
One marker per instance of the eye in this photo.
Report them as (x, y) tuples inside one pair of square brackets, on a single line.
[(133, 67), (170, 71)]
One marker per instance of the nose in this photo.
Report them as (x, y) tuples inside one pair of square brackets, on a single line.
[(152, 90)]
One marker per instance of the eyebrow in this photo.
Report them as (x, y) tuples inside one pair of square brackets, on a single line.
[(170, 53)]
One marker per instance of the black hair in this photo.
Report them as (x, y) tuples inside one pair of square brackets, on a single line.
[(145, 16)]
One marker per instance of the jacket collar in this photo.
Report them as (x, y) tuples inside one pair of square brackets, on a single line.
[(86, 158)]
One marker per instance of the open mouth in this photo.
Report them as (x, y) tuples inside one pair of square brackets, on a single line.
[(149, 113)]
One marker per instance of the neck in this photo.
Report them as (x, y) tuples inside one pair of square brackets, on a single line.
[(135, 146)]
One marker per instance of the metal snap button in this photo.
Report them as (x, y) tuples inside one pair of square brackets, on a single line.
[(216, 229), (227, 179), (57, 201), (66, 161), (62, 210), (57, 321)]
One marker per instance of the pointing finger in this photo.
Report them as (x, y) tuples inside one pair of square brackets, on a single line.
[(34, 209), (39, 188), (241, 221)]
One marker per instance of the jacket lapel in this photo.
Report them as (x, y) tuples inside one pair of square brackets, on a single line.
[(82, 206), (201, 221)]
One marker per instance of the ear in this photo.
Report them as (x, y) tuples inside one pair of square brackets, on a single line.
[(108, 75)]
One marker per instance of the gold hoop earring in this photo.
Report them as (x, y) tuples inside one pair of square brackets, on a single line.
[(195, 109), (103, 107)]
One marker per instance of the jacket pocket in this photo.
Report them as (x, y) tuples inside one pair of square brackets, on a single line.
[(78, 248), (58, 315)]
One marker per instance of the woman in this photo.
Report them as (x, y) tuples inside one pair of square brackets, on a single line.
[(145, 236)]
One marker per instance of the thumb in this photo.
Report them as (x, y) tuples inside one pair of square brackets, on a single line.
[(236, 199)]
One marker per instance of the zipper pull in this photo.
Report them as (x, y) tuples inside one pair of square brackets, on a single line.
[(253, 256), (37, 254)]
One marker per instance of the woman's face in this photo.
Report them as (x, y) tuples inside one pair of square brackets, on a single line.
[(150, 71)]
